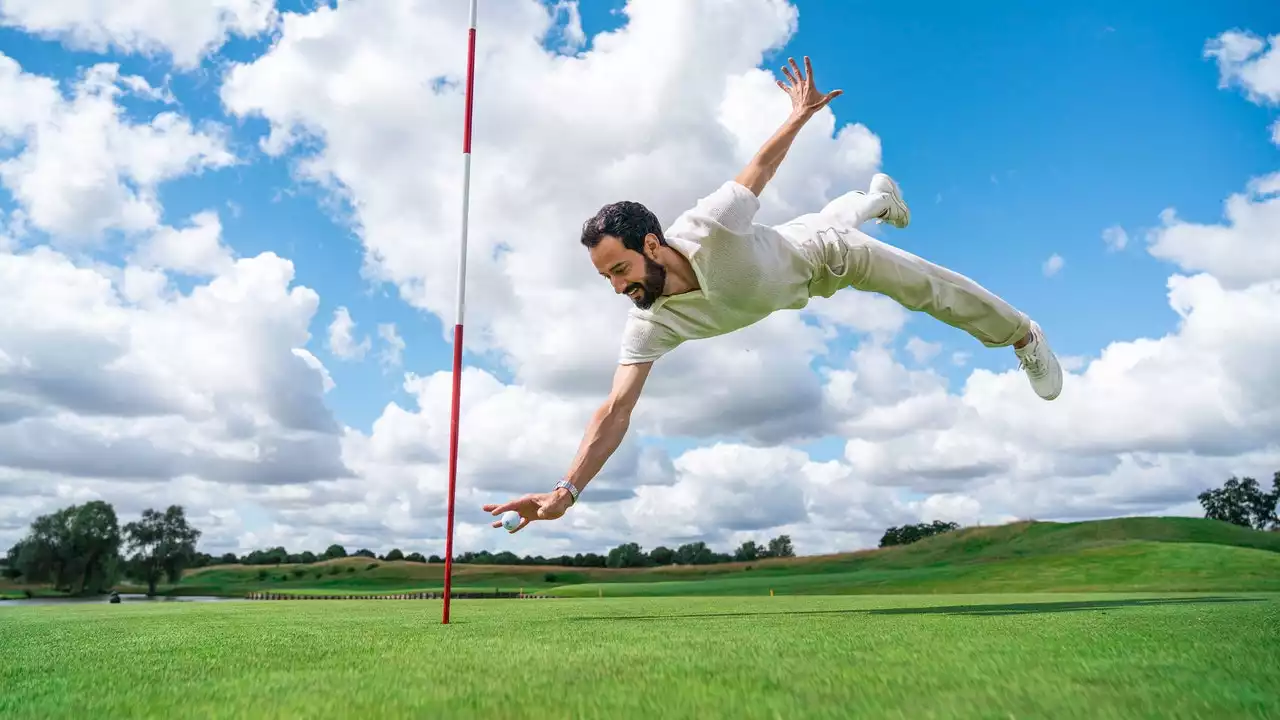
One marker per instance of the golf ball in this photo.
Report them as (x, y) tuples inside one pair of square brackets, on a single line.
[(511, 520)]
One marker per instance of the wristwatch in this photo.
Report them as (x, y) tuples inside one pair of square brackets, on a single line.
[(573, 491)]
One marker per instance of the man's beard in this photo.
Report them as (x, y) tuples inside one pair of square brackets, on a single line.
[(655, 279)]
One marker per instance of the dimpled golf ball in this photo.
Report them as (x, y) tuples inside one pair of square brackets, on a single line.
[(511, 520)]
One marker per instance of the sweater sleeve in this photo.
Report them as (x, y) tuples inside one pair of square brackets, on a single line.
[(732, 205), (644, 340)]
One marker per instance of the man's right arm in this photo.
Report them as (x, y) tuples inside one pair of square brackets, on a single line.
[(604, 433), (609, 424)]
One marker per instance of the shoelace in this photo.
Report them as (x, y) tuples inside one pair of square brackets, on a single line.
[(1033, 364)]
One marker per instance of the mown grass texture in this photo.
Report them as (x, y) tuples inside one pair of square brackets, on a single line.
[(1056, 655)]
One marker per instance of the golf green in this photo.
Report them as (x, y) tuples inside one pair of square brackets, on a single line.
[(954, 656)]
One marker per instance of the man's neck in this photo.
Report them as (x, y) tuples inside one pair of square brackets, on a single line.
[(680, 275)]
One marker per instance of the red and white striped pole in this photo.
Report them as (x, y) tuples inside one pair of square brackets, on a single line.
[(461, 307)]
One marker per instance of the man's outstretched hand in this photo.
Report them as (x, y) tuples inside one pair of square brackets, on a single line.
[(805, 98), (534, 506)]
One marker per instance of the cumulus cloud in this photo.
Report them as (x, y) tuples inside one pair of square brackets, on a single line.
[(1053, 265), (1248, 61), (1240, 251), (184, 31), (194, 250), (342, 342), (85, 167)]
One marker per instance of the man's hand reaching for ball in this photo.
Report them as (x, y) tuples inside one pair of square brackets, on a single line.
[(534, 506)]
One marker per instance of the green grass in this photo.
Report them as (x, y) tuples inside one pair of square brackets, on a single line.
[(1136, 566), (1126, 554), (1060, 656)]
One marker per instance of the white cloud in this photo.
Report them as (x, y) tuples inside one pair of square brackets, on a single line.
[(1115, 237), (186, 31), (105, 380), (85, 168), (1244, 60), (394, 345), (922, 351), (1053, 265), (1239, 252), (195, 250), (341, 338)]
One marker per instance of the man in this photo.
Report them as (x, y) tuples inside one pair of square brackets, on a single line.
[(715, 271)]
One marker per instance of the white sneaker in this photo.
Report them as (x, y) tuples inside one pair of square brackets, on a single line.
[(1041, 365), (898, 215)]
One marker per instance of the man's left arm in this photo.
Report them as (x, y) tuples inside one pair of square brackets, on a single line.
[(805, 102)]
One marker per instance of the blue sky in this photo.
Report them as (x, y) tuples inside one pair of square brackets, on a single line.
[(1017, 131)]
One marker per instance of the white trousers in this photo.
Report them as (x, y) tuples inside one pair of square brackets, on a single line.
[(844, 256)]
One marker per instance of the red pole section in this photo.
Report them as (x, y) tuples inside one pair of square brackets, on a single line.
[(461, 308)]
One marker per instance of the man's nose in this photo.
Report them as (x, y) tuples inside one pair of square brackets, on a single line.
[(619, 285)]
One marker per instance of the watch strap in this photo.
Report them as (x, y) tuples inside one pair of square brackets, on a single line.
[(573, 491)]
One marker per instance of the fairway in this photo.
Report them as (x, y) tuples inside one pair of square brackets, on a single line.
[(943, 656)]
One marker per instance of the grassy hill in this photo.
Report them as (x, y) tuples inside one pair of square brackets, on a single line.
[(1127, 554)]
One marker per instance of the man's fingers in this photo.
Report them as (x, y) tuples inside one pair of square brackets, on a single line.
[(796, 67), (497, 509), (808, 68), (523, 523), (787, 71)]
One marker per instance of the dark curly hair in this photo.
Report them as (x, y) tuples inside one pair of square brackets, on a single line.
[(626, 220)]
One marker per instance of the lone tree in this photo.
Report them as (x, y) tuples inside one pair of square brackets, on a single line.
[(165, 545), (1244, 503), (75, 549), (908, 534)]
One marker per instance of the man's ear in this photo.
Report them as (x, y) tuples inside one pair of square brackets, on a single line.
[(651, 246)]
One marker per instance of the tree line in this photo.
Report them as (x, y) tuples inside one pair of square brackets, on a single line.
[(83, 548), (624, 555)]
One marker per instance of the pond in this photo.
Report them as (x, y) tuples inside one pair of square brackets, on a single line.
[(124, 598)]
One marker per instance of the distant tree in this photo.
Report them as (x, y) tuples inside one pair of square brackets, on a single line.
[(95, 537), (694, 553), (335, 551), (908, 534), (415, 557), (395, 554), (592, 560), (662, 555), (1243, 502), (781, 547), (363, 552), (74, 549), (625, 556), (229, 559), (747, 552), (164, 545), (435, 559), (11, 570)]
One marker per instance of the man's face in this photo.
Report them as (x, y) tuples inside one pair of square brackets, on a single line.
[(631, 273)]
